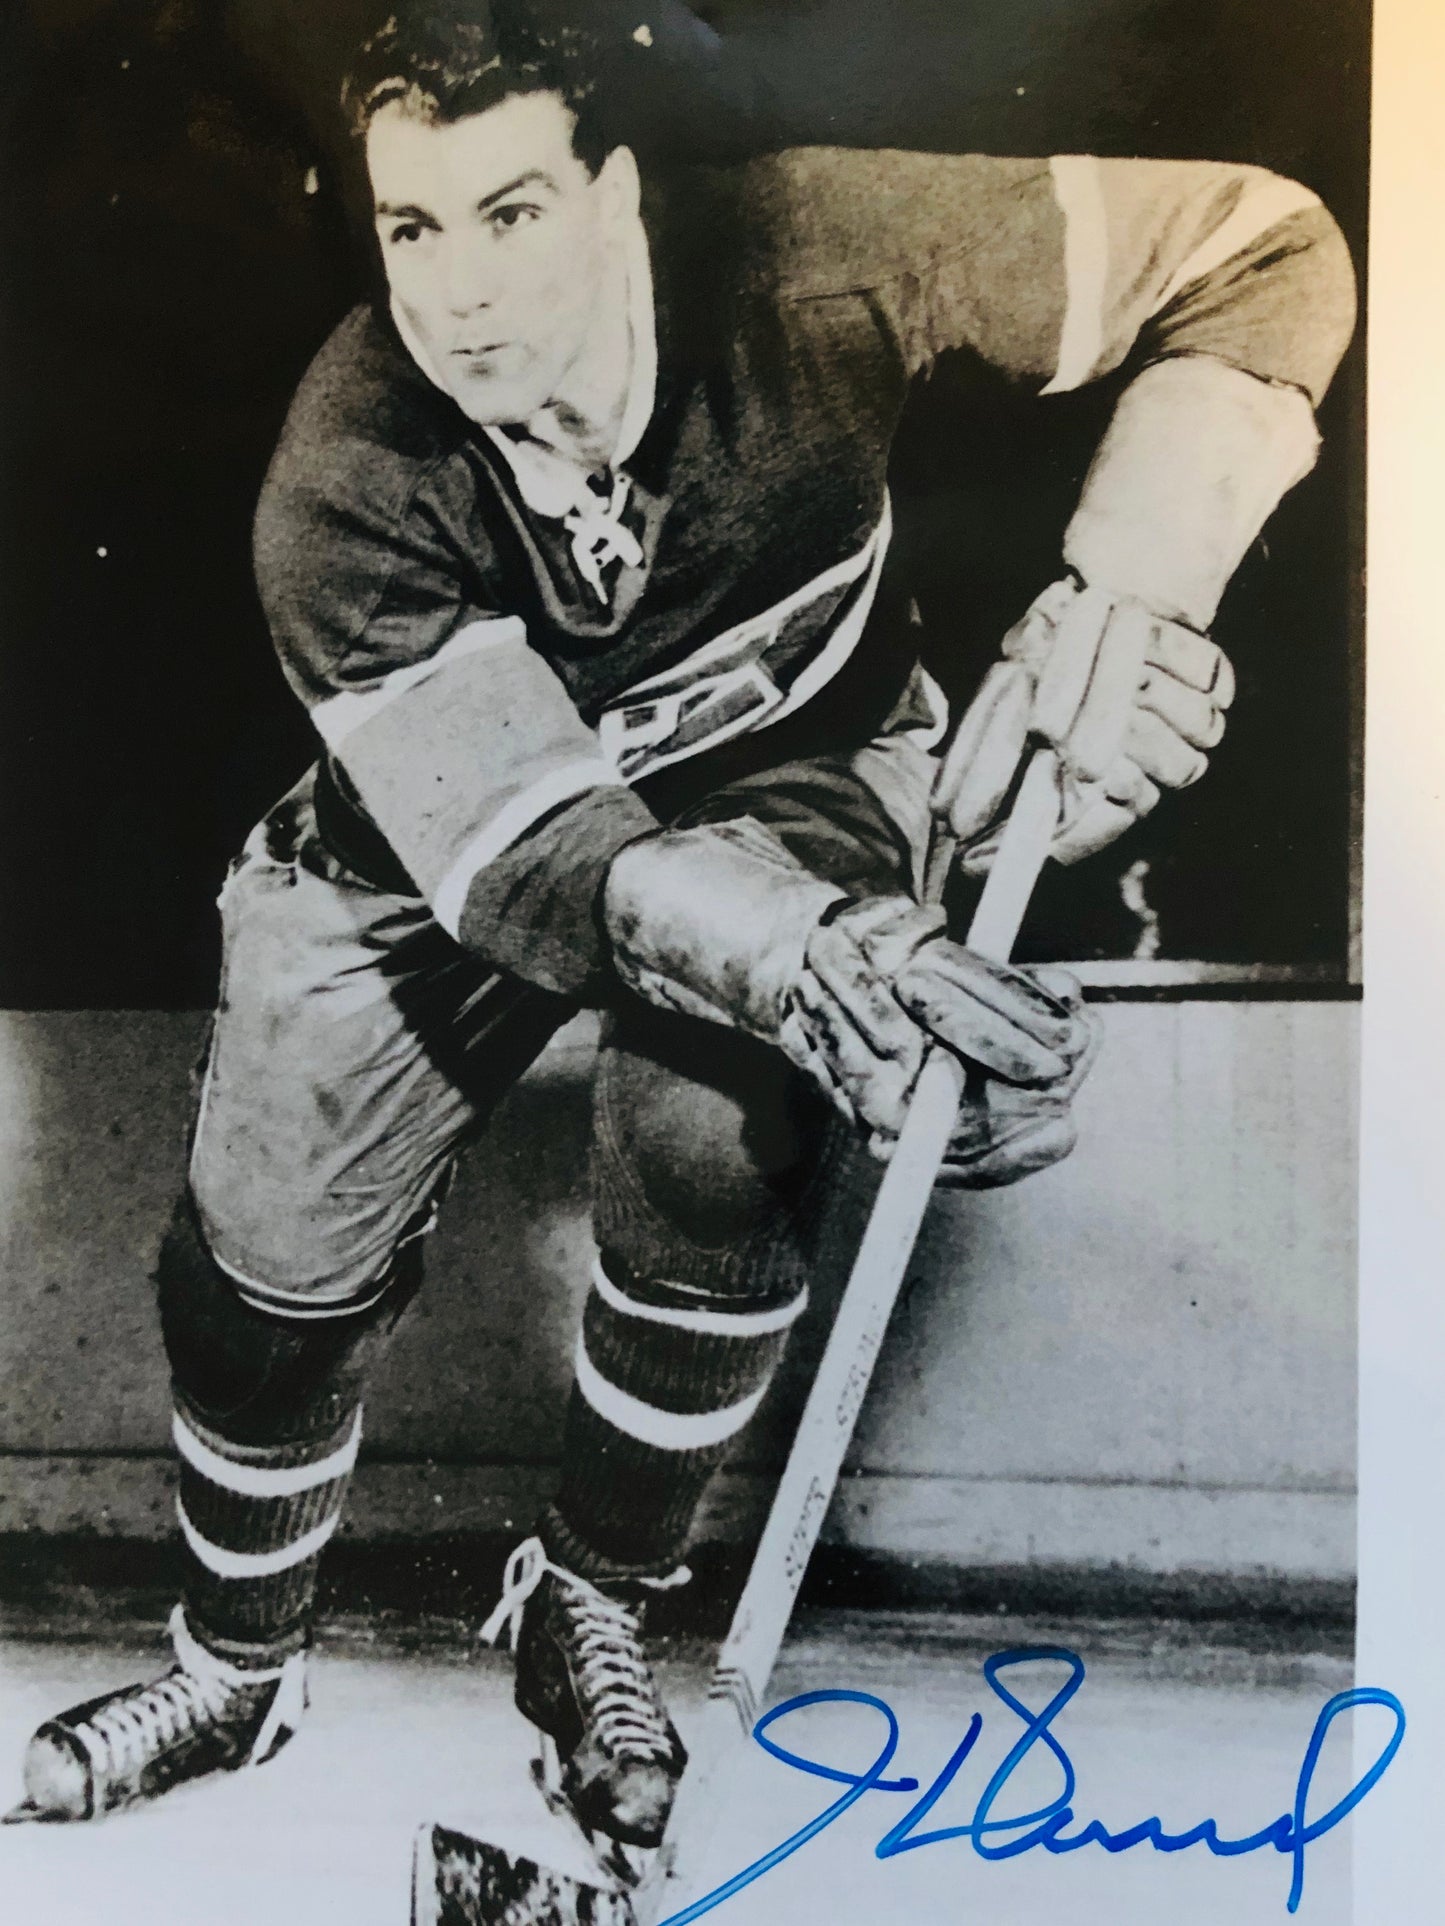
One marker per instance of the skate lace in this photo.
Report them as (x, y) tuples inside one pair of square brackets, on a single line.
[(613, 1678), (137, 1727), (122, 1736)]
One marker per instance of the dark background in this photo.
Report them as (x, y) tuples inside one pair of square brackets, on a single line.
[(171, 263)]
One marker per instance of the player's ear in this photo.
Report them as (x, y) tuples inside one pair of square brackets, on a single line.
[(618, 184)]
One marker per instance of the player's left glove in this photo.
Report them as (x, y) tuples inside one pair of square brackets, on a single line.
[(874, 961), (1005, 1132), (723, 922), (1131, 702)]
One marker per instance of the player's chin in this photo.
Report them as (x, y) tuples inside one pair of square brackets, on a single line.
[(492, 396)]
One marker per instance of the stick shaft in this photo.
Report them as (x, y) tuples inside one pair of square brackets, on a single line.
[(1023, 849), (826, 1427), (748, 1653)]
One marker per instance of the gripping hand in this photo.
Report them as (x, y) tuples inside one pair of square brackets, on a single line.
[(722, 922), (1131, 702)]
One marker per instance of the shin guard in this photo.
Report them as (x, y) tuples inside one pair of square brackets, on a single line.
[(267, 1423)]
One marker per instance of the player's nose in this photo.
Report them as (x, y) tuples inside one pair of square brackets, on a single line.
[(467, 278)]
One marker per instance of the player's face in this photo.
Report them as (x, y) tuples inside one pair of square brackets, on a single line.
[(494, 238)]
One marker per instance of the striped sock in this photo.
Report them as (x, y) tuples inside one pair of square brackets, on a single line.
[(254, 1520), (666, 1377)]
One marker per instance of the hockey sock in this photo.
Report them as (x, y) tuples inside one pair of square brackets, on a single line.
[(267, 1423), (666, 1377), (254, 1520)]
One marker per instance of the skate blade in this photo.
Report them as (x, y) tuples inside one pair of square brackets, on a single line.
[(461, 1881)]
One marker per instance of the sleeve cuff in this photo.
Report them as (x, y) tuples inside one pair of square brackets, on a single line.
[(535, 909)]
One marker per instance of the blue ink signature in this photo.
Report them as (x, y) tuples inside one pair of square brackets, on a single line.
[(1292, 1832)]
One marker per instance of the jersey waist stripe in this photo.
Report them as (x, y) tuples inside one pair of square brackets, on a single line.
[(655, 723), (847, 635), (723, 646)]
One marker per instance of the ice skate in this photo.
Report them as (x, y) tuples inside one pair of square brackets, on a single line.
[(135, 1744), (610, 1756)]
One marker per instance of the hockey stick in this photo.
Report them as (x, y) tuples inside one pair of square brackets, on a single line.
[(462, 1882), (825, 1430)]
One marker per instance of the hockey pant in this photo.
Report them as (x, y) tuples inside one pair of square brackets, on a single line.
[(355, 1050)]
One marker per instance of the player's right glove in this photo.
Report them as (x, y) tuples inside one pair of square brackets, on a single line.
[(721, 922), (1130, 702)]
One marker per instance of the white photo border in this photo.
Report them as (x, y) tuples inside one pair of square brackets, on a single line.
[(1402, 1227)]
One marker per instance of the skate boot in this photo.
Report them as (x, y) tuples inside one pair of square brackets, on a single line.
[(132, 1745), (610, 1755)]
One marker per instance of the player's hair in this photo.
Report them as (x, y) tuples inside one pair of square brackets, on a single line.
[(446, 59)]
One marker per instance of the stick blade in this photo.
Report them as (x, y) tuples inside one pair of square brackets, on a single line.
[(461, 1881)]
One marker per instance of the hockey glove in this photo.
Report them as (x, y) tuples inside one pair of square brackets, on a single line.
[(1004, 1132), (721, 922), (1130, 701)]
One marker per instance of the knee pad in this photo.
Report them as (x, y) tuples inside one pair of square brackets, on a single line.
[(707, 1148), (258, 1376)]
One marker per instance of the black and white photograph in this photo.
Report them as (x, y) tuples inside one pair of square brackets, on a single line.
[(683, 948)]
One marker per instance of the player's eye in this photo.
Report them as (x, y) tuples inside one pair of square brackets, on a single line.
[(406, 232), (513, 214)]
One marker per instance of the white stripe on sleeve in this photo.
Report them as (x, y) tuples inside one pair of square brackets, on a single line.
[(511, 822), (341, 715), (1080, 195), (1267, 200)]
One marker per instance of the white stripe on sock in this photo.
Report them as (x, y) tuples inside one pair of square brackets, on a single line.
[(257, 1481), (668, 1430), (714, 1323), (229, 1564)]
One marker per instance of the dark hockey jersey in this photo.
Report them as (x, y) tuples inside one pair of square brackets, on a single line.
[(510, 689)]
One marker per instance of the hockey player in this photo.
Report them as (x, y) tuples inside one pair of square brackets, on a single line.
[(576, 546)]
